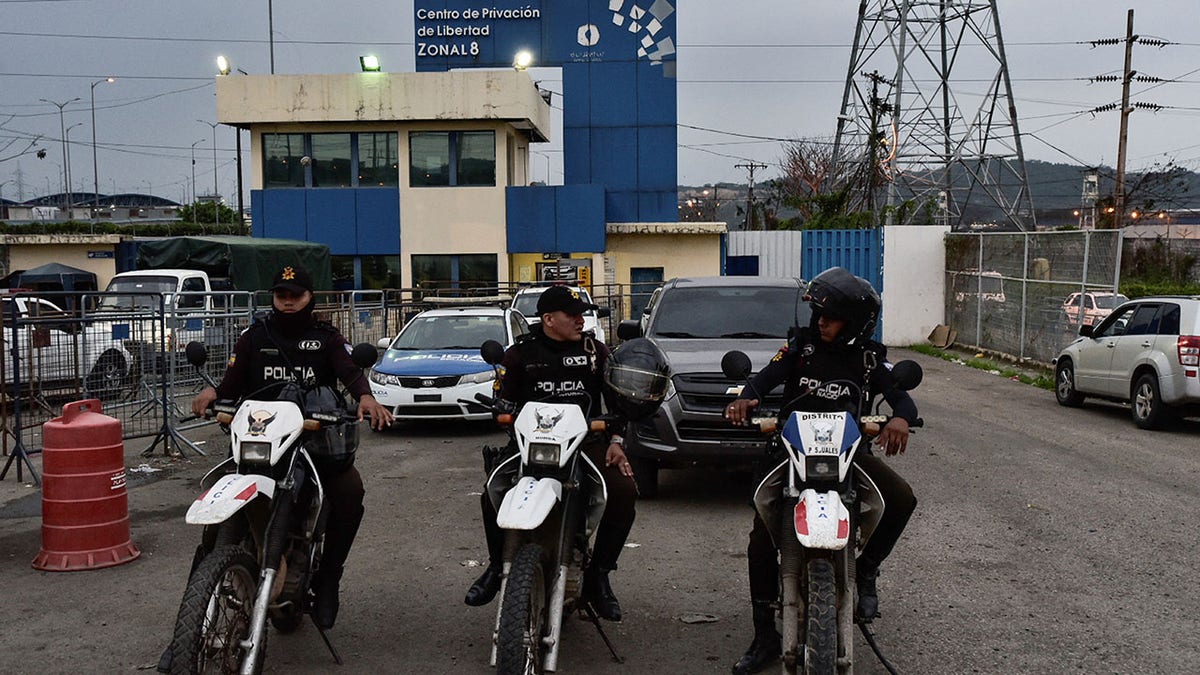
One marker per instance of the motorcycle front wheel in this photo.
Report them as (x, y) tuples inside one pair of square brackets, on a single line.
[(821, 625), (214, 617), (519, 644)]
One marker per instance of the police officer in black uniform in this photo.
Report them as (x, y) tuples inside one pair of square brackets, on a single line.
[(836, 345), (291, 344), (557, 362)]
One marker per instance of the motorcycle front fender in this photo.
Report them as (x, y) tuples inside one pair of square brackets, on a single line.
[(822, 520), (228, 495), (527, 504)]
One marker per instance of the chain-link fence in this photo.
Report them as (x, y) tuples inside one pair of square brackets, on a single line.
[(1019, 293)]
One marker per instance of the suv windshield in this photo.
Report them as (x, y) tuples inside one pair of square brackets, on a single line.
[(140, 284), (451, 332), (732, 312)]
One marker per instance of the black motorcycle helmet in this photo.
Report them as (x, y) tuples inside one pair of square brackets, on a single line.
[(838, 294), (638, 376)]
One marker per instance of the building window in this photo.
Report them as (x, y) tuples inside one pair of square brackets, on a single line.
[(281, 164), (331, 156), (454, 271), (458, 158), (337, 160), (378, 163)]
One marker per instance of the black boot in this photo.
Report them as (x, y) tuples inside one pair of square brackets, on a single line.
[(767, 645), (599, 594), (325, 588), (484, 589), (868, 597)]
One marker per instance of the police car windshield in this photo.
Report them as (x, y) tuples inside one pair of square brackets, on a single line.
[(451, 332)]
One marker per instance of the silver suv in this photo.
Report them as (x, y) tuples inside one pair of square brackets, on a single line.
[(1146, 353), (695, 321)]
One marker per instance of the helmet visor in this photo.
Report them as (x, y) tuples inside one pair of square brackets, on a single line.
[(638, 384)]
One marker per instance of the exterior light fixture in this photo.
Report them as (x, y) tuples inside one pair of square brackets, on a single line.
[(222, 65), (1134, 215), (522, 60), (369, 63)]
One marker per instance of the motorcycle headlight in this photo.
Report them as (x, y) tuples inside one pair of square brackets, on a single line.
[(383, 378), (544, 453), (821, 467), (478, 378), (255, 452)]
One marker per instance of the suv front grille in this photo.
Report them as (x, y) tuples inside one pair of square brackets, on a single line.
[(427, 382), (709, 393)]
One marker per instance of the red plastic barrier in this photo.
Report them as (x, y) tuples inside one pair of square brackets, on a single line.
[(85, 509)]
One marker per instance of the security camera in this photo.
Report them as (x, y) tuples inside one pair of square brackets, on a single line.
[(305, 160)]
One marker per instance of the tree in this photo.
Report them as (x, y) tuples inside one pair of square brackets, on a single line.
[(206, 212), (817, 186)]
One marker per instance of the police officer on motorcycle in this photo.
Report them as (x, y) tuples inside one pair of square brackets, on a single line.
[(836, 345), (290, 344), (557, 362)]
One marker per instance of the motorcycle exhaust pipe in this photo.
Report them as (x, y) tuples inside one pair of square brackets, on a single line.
[(556, 617)]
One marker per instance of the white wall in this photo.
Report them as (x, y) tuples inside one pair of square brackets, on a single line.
[(914, 282), (778, 251)]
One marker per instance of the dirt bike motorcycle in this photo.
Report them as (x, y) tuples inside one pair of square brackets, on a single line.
[(264, 514), (824, 508), (549, 515)]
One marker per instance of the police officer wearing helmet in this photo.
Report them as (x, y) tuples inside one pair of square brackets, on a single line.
[(836, 345), (290, 344), (558, 362)]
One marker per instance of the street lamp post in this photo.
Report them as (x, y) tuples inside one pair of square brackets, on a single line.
[(194, 179), (95, 164), (216, 191), (62, 127), (70, 200)]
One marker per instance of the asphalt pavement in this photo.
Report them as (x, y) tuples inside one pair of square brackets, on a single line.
[(1045, 540)]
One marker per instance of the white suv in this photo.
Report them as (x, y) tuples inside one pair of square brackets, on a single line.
[(525, 302), (1146, 352)]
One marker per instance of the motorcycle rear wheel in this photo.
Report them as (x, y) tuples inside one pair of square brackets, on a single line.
[(214, 616), (519, 647), (821, 625)]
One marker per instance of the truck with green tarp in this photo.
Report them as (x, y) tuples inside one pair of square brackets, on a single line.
[(248, 263)]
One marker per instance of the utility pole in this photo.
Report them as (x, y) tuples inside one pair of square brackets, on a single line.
[(1119, 216), (751, 167)]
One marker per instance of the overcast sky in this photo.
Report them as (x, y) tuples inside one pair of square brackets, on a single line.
[(769, 68)]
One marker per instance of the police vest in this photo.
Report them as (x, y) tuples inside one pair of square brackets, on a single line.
[(302, 358), (562, 372)]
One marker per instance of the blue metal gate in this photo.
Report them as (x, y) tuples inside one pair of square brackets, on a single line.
[(860, 251)]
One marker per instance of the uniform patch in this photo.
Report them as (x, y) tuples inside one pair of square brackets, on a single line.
[(232, 359), (349, 349), (310, 345), (575, 360)]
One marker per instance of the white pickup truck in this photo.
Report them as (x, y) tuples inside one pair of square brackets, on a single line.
[(177, 284)]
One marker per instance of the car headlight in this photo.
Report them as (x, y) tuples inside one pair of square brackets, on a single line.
[(255, 452), (821, 467), (478, 378), (544, 453), (384, 378)]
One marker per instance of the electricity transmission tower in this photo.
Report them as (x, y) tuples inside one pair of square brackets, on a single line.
[(940, 135)]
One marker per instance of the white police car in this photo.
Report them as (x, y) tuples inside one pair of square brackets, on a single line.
[(434, 362)]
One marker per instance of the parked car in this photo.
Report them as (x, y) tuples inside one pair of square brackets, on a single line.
[(525, 302), (433, 365), (695, 321), (1090, 307), (1145, 353), (987, 286), (55, 347)]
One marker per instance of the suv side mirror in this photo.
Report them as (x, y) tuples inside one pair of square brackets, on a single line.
[(1086, 330), (603, 313), (629, 329)]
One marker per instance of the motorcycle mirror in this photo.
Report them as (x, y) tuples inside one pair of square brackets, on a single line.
[(735, 365), (908, 374), (492, 352), (197, 355), (364, 355)]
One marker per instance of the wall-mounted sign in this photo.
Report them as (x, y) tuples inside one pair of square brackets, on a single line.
[(92, 255)]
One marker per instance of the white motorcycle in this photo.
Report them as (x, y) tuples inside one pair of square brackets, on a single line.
[(549, 516), (825, 507), (264, 514)]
